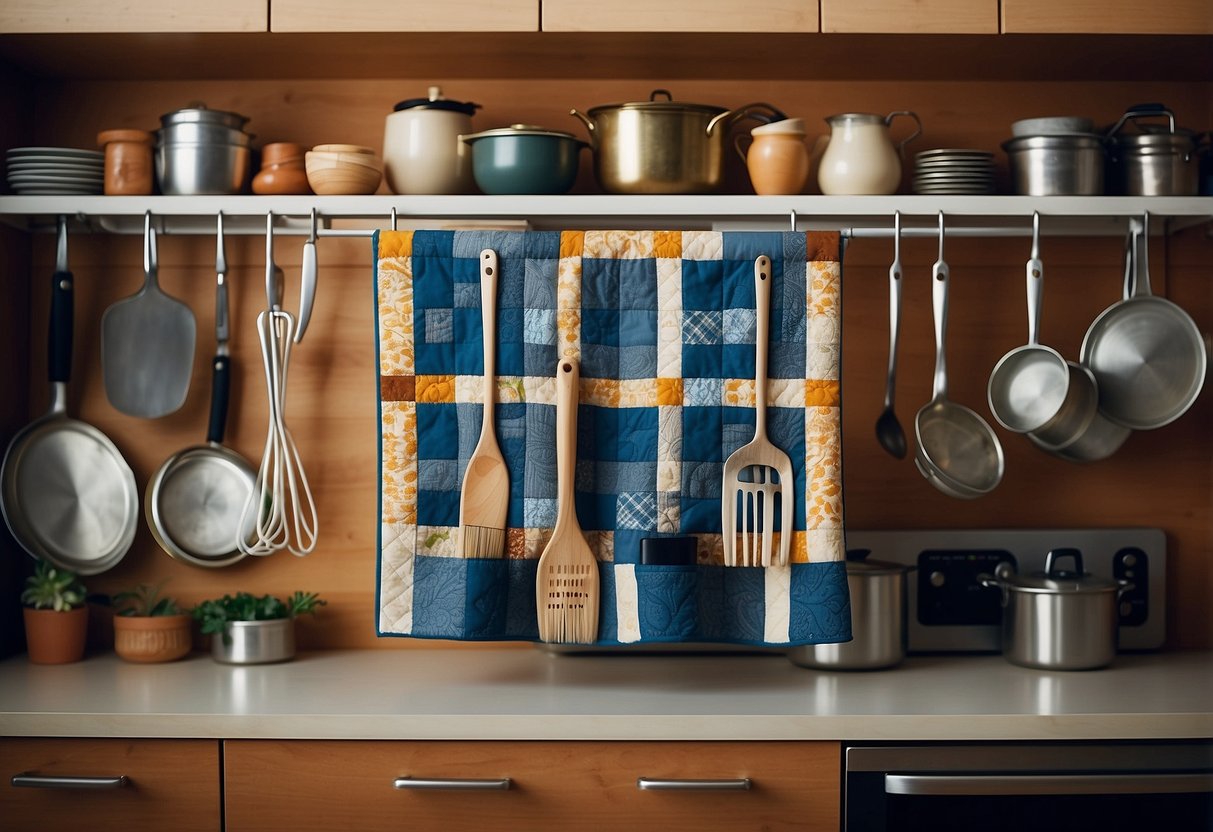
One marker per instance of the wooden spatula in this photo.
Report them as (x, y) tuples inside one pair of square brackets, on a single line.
[(750, 471), (566, 586), (485, 497)]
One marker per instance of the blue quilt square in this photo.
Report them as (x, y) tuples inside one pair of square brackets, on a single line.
[(636, 476), (702, 392), (701, 480), (786, 360), (510, 355), (638, 284), (599, 284), (637, 434), (820, 604), (744, 608), (439, 590), (509, 245), (667, 602), (637, 327), (627, 545), (636, 510), (438, 474), (542, 245), (711, 598), (438, 245), (596, 512), (437, 508), (598, 433), (638, 362), (511, 287), (737, 429), (737, 361), (433, 287), (538, 360), (702, 361), (702, 327), (511, 436), (484, 613), (608, 616), (539, 326), (467, 295), (739, 326), (737, 288), (700, 516), (539, 284), (598, 361), (437, 431), (701, 284), (596, 476), (520, 609), (439, 326), (540, 465), (701, 428), (600, 326), (750, 245), (539, 512)]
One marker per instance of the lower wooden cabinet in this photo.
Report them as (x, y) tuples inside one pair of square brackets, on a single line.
[(301, 785), (109, 784)]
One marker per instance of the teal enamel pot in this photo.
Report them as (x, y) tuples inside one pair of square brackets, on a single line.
[(524, 159)]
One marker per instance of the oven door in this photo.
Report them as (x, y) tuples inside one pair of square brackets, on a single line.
[(1036, 787)]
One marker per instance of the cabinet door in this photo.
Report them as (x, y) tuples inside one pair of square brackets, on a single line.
[(679, 16), (404, 16), (1107, 17), (900, 17), (90, 16), (170, 784), (301, 785)]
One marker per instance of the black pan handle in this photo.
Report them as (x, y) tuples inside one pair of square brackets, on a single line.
[(59, 336), (221, 383)]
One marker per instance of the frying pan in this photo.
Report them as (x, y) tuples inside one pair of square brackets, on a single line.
[(195, 501), (1147, 354), (69, 497)]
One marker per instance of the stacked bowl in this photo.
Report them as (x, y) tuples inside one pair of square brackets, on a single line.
[(343, 169), (201, 151)]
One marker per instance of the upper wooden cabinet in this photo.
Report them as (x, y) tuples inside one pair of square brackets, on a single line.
[(89, 16), (404, 16), (916, 17), (680, 16), (1108, 17)]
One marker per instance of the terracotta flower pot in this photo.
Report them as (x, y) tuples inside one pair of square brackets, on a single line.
[(159, 638), (56, 637)]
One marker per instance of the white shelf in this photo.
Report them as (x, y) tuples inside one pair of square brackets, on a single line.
[(991, 215)]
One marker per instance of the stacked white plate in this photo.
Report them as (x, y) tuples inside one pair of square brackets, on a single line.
[(55, 170), (950, 171)]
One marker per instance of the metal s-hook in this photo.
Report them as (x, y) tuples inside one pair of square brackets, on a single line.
[(307, 283), (1035, 235), (941, 235), (273, 275), (793, 213), (394, 218)]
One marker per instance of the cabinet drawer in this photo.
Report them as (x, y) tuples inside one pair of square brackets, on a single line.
[(679, 16), (404, 16), (1109, 17), (133, 16), (899, 17), (170, 784), (302, 785)]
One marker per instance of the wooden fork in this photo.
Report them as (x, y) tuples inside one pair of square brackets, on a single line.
[(758, 474)]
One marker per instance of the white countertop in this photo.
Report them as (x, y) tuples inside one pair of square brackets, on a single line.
[(531, 694)]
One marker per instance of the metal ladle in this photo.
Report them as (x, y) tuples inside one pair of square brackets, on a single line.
[(888, 430), (958, 451)]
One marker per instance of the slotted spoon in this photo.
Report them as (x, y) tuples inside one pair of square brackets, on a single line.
[(750, 472)]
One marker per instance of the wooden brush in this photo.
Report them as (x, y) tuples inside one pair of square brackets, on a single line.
[(566, 585), (485, 497)]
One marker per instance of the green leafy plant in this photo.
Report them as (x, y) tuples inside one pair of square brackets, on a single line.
[(145, 600), (51, 588), (217, 613)]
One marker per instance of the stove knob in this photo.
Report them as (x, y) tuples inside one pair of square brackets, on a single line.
[(1129, 560), (937, 579)]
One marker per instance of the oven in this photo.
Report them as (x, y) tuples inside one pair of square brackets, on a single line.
[(1037, 787)]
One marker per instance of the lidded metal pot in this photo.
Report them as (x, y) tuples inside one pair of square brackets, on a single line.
[(1152, 162), (1058, 619), (878, 619), (202, 151)]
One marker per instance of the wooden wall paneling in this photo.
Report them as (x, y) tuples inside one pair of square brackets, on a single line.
[(899, 17), (174, 784), (134, 16), (1169, 17), (1160, 479), (404, 16), (679, 16), (301, 786)]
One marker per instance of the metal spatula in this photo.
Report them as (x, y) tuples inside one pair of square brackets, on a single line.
[(757, 473), (147, 345)]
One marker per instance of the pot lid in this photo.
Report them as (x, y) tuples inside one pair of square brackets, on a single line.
[(859, 564), (520, 130), (197, 113), (785, 127), (1055, 141), (669, 105), (1164, 142), (1055, 580), (435, 101)]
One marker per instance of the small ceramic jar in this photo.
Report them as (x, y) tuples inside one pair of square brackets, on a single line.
[(778, 160), (128, 162), (282, 170)]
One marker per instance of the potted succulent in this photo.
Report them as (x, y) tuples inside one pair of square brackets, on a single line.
[(246, 629), (149, 627), (56, 616)]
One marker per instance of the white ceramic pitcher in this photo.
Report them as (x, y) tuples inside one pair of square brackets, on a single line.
[(860, 157)]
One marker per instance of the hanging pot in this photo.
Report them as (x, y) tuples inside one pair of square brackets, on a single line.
[(664, 146)]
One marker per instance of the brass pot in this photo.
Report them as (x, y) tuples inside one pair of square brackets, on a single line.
[(664, 146)]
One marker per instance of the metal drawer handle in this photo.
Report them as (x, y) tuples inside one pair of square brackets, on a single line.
[(452, 784), (1060, 784), (42, 781), (653, 784)]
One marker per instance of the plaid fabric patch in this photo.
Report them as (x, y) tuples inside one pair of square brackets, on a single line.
[(663, 324)]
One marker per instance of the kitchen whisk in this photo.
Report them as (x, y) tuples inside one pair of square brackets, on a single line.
[(281, 498)]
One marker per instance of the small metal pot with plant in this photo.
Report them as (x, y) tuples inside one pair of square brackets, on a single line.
[(247, 629), (149, 627), (56, 616)]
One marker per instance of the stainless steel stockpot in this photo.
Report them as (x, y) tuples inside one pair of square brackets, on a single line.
[(1058, 619), (201, 151), (1058, 165), (878, 620), (1152, 163), (663, 146)]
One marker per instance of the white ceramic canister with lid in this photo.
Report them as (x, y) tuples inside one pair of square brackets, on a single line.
[(422, 153)]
